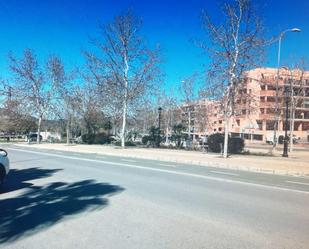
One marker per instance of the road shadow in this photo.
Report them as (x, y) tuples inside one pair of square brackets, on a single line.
[(18, 179), (40, 207)]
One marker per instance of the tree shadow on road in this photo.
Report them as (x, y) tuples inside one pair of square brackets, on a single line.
[(19, 179), (40, 207)]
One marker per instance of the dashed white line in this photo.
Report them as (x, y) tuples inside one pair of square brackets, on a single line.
[(167, 165), (103, 157), (128, 160), (224, 173), (300, 183)]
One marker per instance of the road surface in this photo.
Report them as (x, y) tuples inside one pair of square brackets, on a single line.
[(71, 200)]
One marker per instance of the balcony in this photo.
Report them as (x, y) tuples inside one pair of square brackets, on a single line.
[(268, 93)]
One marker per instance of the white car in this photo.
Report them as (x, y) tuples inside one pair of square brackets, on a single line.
[(4, 165)]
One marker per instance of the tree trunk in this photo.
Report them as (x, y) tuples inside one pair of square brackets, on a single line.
[(124, 119), (125, 100), (166, 136), (292, 115), (292, 128), (39, 129), (226, 136), (68, 132), (189, 126)]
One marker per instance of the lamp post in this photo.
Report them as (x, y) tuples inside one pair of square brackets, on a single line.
[(281, 35), (159, 131), (285, 145)]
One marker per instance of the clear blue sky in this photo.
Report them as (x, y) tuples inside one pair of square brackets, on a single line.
[(64, 27)]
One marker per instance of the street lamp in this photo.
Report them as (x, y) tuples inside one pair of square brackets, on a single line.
[(281, 35), (285, 146), (159, 131)]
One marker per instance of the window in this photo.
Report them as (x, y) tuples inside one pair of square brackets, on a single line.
[(288, 126), (258, 137), (271, 99), (270, 110), (271, 87), (262, 110), (260, 124), (270, 125), (220, 121), (263, 87)]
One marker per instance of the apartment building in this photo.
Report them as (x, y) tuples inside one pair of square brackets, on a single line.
[(257, 112)]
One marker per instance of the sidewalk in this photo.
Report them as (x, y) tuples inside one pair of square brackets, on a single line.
[(297, 164)]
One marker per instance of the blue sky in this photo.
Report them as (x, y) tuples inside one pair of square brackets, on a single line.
[(64, 27)]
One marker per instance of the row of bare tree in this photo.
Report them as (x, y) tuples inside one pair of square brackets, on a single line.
[(120, 74)]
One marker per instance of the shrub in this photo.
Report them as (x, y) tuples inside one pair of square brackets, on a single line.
[(145, 139), (102, 138), (127, 143), (235, 146), (178, 135), (88, 138), (214, 141)]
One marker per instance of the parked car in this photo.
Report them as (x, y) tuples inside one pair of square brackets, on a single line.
[(4, 165)]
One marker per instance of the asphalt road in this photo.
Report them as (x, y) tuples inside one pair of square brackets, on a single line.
[(71, 200)]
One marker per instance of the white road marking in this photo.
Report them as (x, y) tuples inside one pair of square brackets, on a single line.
[(128, 160), (224, 173), (300, 183), (102, 157), (168, 171), (167, 165)]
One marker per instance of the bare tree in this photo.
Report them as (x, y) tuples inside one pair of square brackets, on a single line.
[(188, 91), (89, 108), (64, 103), (33, 84), (236, 45), (296, 82), (169, 104), (13, 116), (126, 69)]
